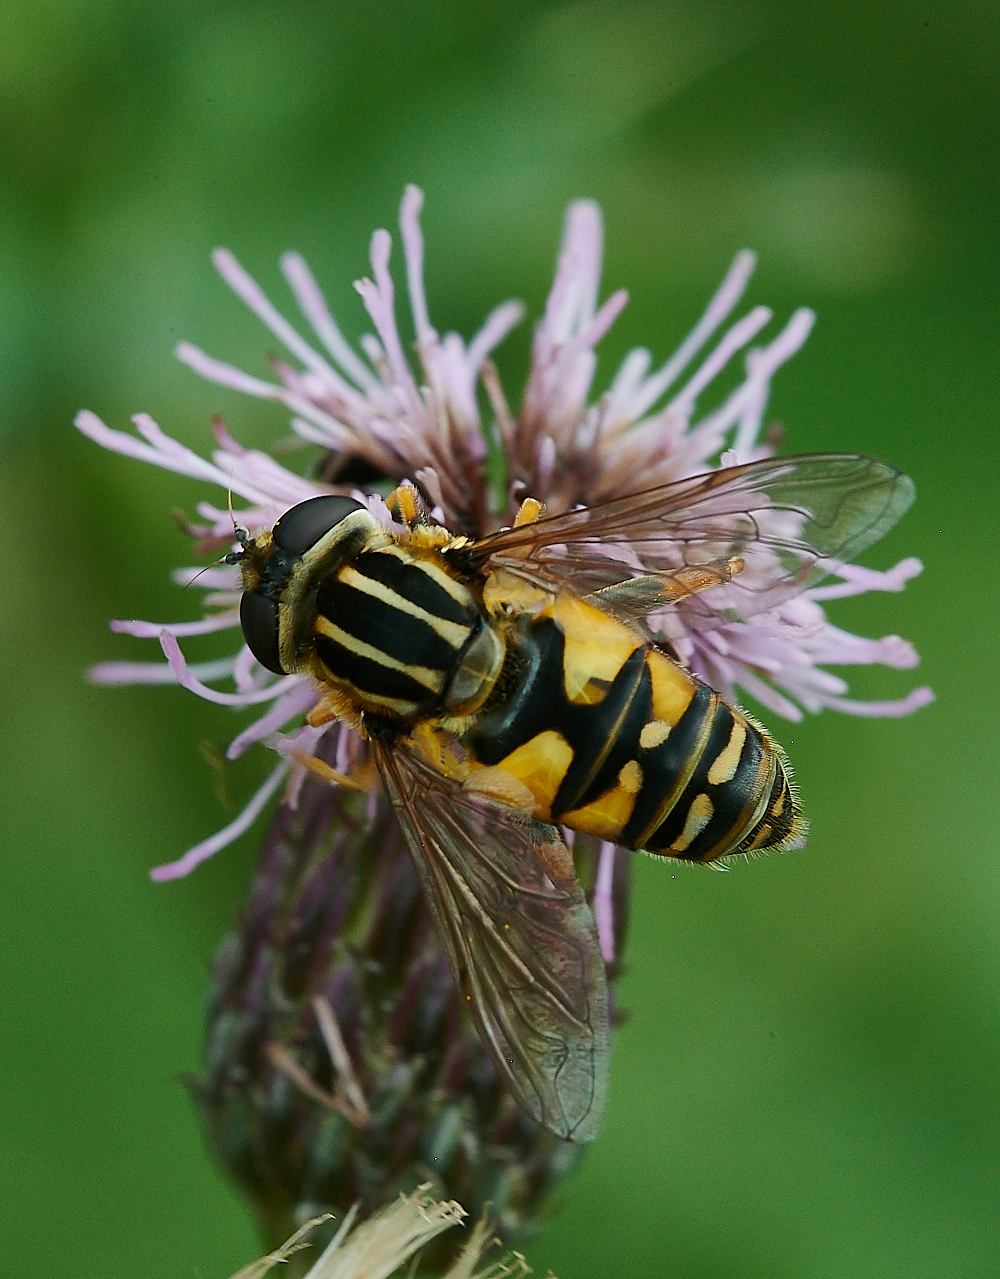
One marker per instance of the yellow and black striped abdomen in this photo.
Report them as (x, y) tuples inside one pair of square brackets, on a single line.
[(613, 738)]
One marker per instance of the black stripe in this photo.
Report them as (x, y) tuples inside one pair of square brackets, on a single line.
[(535, 702), (371, 677), (673, 825), (618, 721), (381, 625), (533, 694), (661, 766), (781, 826), (729, 799), (412, 582)]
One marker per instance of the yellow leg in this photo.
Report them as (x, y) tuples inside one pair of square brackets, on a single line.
[(332, 705), (637, 596), (322, 769), (321, 714)]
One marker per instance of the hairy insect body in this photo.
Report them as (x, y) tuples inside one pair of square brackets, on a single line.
[(597, 729)]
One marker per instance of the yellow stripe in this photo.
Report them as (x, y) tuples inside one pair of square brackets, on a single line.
[(596, 646), (699, 815), (654, 734), (685, 775), (727, 761), (630, 776), (455, 589), (606, 817), (434, 680), (396, 704), (451, 632), (673, 688), (755, 809)]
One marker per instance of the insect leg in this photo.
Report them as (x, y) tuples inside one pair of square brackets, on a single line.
[(637, 596), (322, 769)]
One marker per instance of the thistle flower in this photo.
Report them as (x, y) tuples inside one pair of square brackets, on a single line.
[(562, 447), (381, 1084)]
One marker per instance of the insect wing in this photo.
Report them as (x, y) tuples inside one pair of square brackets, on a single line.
[(520, 937), (789, 521)]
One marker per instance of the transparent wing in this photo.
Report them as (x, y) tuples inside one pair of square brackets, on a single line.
[(786, 521), (520, 937)]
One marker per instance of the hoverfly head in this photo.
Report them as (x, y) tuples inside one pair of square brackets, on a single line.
[(273, 570)]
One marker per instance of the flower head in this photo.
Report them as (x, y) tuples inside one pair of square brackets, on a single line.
[(373, 415)]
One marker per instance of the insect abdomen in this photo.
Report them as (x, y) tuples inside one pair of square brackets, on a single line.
[(613, 738), (716, 786)]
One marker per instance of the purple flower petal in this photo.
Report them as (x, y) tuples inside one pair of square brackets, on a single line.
[(221, 839), (187, 679)]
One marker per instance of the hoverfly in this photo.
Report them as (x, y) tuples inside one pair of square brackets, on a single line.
[(509, 686)]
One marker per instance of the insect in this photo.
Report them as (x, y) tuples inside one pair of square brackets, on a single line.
[(509, 686)]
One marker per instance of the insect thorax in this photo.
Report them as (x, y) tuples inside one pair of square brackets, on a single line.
[(393, 630)]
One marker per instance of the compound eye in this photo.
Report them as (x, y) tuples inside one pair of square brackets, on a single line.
[(259, 619), (303, 526)]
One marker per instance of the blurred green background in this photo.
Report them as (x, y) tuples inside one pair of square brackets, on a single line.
[(809, 1085)]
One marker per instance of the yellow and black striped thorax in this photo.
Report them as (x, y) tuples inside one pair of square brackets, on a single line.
[(611, 737), (393, 628), (384, 624)]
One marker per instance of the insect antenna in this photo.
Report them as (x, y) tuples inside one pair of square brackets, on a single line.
[(242, 536), (232, 558)]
